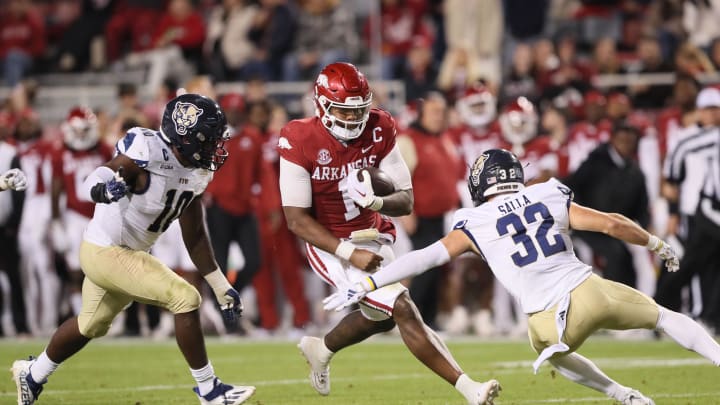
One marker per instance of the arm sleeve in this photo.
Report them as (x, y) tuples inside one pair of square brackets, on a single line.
[(102, 174), (295, 187), (395, 167), (412, 264)]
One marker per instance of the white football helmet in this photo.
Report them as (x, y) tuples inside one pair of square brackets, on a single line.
[(519, 121), (477, 106), (80, 129)]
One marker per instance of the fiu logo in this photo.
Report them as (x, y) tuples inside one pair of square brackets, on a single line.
[(478, 168), (185, 116)]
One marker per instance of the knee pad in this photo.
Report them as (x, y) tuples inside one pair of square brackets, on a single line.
[(184, 298)]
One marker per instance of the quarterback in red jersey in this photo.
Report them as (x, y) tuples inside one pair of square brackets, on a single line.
[(80, 154), (341, 220)]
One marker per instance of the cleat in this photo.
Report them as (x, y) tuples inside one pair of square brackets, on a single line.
[(225, 394), (634, 397), (485, 393), (28, 390), (319, 369)]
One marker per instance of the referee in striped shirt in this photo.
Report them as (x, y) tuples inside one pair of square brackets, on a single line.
[(694, 165)]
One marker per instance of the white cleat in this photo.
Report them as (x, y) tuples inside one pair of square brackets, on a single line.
[(28, 390), (225, 394), (319, 369), (634, 397), (485, 393)]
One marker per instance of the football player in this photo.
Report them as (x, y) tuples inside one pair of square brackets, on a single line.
[(523, 234), (341, 220), (81, 153), (154, 178)]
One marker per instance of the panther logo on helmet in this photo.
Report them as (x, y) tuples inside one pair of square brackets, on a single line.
[(496, 171), (185, 116), (477, 168)]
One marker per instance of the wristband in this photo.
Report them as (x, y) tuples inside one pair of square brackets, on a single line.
[(653, 243), (377, 204), (368, 284), (344, 250), (217, 281)]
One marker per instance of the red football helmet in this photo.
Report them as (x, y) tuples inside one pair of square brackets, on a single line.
[(518, 121), (80, 129), (477, 106), (342, 100)]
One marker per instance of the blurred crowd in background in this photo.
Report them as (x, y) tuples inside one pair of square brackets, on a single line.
[(555, 81)]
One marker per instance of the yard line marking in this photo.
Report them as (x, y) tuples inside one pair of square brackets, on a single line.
[(605, 399), (618, 362)]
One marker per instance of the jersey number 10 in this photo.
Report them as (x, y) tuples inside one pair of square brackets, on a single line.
[(548, 246), (163, 221)]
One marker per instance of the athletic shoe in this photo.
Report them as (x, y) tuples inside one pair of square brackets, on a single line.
[(28, 390), (485, 393), (319, 369), (225, 394), (634, 397)]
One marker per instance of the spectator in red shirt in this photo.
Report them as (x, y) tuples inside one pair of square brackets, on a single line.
[(22, 38), (134, 18), (183, 26)]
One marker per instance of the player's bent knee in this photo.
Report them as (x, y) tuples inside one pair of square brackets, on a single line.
[(184, 299), (93, 329), (404, 307)]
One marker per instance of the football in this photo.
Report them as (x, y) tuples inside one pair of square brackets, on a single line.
[(381, 183)]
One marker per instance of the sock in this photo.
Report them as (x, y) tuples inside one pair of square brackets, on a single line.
[(325, 353), (689, 334), (76, 302), (466, 386), (581, 370), (41, 369), (205, 378)]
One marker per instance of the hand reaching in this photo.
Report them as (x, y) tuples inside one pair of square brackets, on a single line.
[(13, 179), (344, 297), (665, 251)]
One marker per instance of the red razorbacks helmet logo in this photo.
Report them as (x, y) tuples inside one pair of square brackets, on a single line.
[(342, 100), (518, 121), (477, 106), (80, 129)]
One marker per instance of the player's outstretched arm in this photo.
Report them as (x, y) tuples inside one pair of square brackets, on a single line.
[(197, 242), (408, 265), (620, 227)]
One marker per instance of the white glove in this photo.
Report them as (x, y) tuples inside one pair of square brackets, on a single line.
[(13, 179), (59, 236), (665, 251), (344, 297), (361, 191)]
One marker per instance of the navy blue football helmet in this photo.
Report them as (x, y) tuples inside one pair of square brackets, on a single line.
[(197, 127), (495, 171)]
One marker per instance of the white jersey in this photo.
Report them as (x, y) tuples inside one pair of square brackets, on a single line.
[(525, 238), (137, 220)]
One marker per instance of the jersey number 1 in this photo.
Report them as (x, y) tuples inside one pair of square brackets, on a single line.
[(163, 221), (520, 236)]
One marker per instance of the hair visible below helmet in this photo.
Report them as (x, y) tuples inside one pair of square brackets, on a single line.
[(477, 106), (496, 171), (518, 121), (80, 129), (197, 127), (341, 89)]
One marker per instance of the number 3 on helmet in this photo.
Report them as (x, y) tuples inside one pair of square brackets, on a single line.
[(342, 100), (197, 127), (495, 171)]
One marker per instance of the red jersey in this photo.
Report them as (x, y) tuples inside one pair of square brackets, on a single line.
[(309, 144), (582, 139), (472, 142), (536, 155), (35, 162), (72, 167), (231, 187), (437, 162)]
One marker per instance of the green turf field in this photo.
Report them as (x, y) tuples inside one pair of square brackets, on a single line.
[(138, 372)]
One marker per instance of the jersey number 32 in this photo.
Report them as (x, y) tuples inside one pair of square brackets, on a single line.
[(531, 214)]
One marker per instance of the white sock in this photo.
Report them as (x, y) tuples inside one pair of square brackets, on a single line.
[(42, 368), (466, 386), (325, 353), (689, 334), (76, 302), (581, 370), (205, 378)]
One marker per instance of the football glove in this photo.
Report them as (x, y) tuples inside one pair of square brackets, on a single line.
[(665, 251), (344, 297), (361, 192), (111, 191), (13, 179), (227, 297)]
